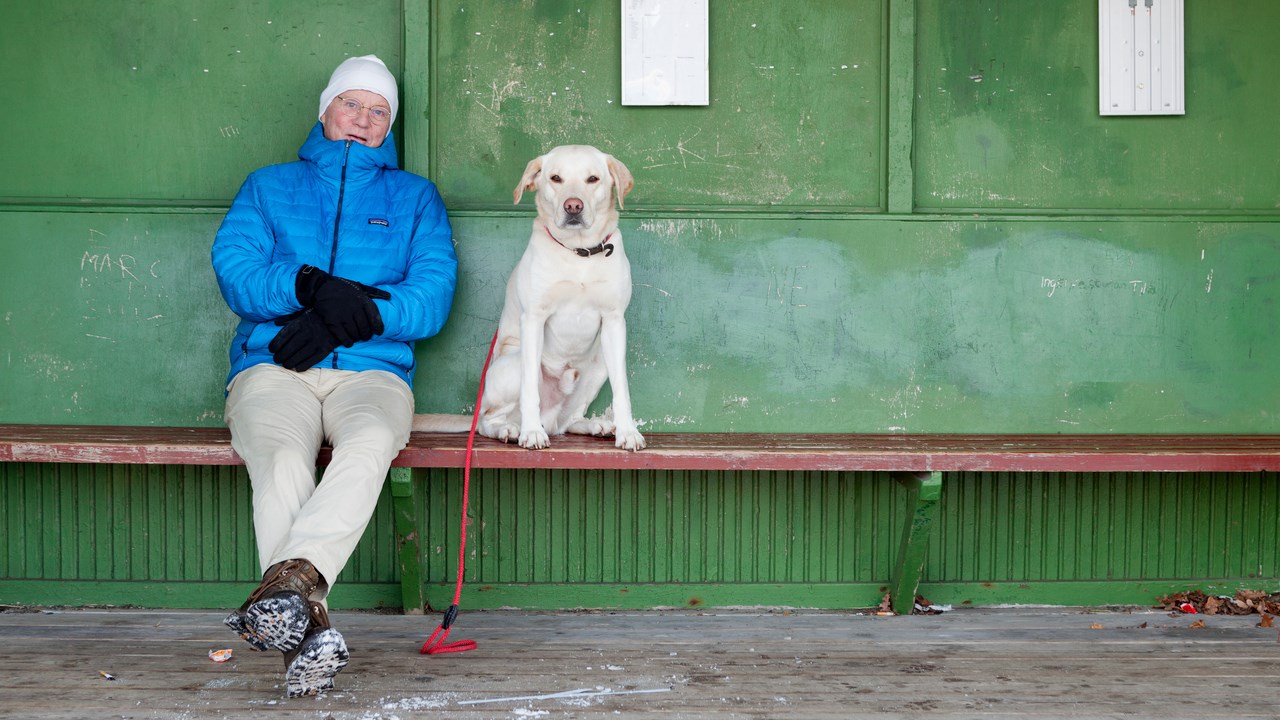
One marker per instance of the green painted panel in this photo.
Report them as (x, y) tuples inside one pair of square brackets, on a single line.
[(149, 524), (124, 523), (182, 537), (888, 326), (170, 101), (796, 113), (1035, 528), (1007, 113), (861, 325), (116, 319)]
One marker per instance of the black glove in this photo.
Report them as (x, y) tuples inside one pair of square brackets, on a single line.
[(345, 306), (302, 342)]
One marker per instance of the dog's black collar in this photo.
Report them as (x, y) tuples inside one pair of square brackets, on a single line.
[(605, 246)]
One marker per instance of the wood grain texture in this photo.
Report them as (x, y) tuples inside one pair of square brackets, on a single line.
[(748, 664), (697, 451)]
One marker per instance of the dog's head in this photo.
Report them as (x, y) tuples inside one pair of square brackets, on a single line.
[(576, 185)]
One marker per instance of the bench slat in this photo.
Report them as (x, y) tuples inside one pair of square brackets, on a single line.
[(697, 451), (918, 461), (122, 445), (848, 452)]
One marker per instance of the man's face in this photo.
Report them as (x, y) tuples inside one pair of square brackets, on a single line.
[(363, 126)]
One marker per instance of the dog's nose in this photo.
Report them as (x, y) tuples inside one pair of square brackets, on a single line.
[(573, 206)]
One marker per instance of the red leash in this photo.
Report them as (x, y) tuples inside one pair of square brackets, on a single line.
[(436, 644)]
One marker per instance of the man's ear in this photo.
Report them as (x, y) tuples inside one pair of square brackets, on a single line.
[(527, 181)]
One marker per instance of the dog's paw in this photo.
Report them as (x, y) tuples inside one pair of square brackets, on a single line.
[(629, 440), (599, 426), (535, 439), (506, 432)]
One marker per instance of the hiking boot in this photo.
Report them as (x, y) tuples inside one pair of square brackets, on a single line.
[(310, 667), (235, 621), (276, 615)]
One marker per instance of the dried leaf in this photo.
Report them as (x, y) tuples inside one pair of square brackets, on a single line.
[(1096, 626), (1266, 621), (1198, 625), (1245, 602)]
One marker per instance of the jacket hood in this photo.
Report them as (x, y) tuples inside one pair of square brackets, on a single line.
[(328, 154)]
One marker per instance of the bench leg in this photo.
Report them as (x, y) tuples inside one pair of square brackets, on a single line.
[(924, 489), (404, 509)]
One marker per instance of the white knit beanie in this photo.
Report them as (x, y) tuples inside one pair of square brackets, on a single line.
[(362, 73)]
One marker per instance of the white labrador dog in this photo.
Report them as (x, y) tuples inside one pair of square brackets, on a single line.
[(562, 332)]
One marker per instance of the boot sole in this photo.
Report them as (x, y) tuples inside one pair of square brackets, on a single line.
[(320, 657), (278, 622), (235, 621)]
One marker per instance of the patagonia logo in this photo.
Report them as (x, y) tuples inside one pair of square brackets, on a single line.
[(379, 221)]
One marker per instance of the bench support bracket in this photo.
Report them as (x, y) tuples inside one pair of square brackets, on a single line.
[(403, 508), (924, 490)]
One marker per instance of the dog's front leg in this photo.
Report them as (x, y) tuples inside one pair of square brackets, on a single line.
[(613, 344), (532, 434)]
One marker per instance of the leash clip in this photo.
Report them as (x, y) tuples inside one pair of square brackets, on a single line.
[(449, 616)]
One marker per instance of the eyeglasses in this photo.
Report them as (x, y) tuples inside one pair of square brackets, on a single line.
[(378, 114)]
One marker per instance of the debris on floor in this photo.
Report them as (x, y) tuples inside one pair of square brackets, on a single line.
[(921, 607), (1245, 602), (886, 606), (924, 607)]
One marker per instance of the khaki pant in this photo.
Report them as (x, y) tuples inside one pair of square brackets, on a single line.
[(279, 419)]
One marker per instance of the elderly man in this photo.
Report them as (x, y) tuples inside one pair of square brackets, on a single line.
[(335, 264)]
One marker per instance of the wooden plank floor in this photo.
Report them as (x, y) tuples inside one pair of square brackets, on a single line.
[(1041, 663)]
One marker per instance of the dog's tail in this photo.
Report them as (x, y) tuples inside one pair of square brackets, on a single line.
[(441, 423)]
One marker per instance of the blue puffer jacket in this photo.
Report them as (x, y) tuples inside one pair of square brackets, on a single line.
[(345, 208)]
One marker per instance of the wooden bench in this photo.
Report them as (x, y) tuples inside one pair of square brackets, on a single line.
[(919, 462)]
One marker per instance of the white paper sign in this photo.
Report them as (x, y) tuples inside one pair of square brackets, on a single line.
[(664, 52), (1140, 57)]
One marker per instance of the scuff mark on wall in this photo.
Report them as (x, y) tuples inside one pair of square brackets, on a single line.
[(905, 401), (47, 366), (659, 290), (668, 420), (683, 231)]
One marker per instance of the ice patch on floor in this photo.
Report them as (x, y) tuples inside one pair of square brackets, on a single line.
[(416, 703)]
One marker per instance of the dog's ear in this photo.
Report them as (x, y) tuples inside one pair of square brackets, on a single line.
[(622, 182), (527, 180)]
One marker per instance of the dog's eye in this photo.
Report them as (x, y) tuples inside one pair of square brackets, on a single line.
[(556, 179), (593, 179)]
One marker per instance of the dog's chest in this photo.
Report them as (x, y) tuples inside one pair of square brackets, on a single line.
[(564, 284), (584, 289), (574, 310)]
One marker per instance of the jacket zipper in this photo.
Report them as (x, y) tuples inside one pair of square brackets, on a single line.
[(337, 222)]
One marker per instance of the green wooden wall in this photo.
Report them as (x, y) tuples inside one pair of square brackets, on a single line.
[(894, 216), (179, 537)]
